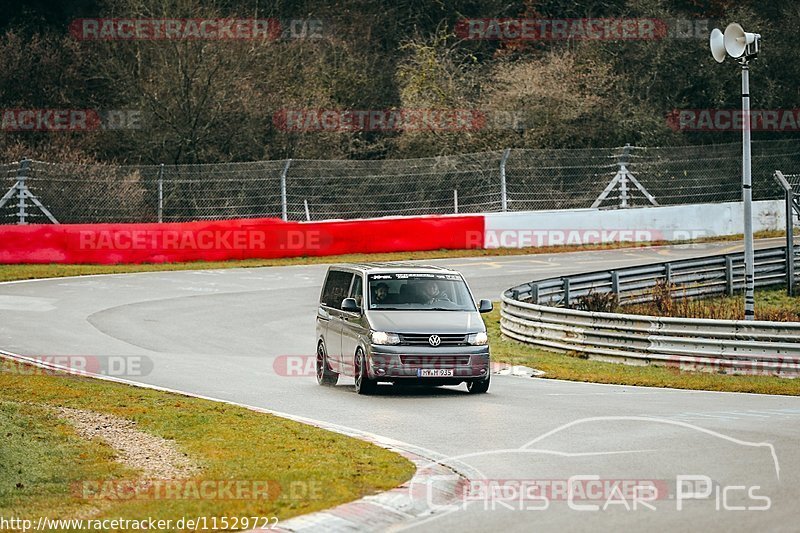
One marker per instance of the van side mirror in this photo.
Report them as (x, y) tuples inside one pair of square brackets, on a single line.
[(485, 306), (350, 305)]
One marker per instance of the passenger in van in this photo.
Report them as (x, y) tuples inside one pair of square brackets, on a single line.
[(381, 294)]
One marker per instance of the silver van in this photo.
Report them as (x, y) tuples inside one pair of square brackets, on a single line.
[(403, 324)]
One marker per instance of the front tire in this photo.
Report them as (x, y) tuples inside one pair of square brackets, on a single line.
[(325, 376), (364, 385), (478, 386)]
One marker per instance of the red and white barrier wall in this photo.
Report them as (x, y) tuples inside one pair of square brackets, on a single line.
[(272, 238), (230, 239), (647, 224)]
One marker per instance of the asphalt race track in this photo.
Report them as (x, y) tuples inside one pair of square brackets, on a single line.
[(219, 333)]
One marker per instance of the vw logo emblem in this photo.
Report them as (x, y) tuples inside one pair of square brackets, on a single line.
[(434, 340)]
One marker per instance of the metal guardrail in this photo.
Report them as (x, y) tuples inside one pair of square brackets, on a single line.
[(538, 313)]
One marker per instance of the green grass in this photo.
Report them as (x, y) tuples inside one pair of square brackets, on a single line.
[(43, 458), (574, 367), (35, 271)]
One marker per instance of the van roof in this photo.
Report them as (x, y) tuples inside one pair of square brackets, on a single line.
[(378, 267)]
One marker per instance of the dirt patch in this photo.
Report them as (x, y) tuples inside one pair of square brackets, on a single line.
[(157, 458)]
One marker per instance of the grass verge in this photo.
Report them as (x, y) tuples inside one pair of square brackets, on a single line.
[(45, 465), (21, 272), (573, 367)]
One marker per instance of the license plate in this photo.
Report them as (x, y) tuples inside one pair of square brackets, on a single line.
[(435, 372)]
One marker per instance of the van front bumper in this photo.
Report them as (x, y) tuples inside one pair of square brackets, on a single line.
[(400, 363)]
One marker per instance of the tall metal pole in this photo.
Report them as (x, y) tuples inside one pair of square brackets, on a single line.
[(789, 243), (503, 193), (747, 196), (161, 193), (284, 205)]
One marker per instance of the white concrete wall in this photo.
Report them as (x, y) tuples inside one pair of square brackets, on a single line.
[(645, 224)]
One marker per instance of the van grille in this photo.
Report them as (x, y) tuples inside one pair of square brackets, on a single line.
[(422, 339), (437, 361)]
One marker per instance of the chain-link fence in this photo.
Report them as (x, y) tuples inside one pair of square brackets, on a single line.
[(296, 189)]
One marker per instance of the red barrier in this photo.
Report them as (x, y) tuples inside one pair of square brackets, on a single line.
[(232, 239)]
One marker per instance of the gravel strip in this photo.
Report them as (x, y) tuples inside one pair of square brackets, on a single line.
[(157, 458)]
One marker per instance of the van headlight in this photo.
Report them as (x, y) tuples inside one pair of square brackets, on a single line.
[(381, 337), (478, 339)]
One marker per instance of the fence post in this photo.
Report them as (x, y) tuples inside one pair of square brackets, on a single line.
[(455, 201), (503, 193), (728, 275), (161, 193), (308, 213), (22, 173), (284, 208)]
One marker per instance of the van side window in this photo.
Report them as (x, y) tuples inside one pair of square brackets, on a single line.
[(336, 287), (355, 291)]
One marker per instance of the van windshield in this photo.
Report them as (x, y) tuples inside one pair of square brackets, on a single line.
[(419, 292)]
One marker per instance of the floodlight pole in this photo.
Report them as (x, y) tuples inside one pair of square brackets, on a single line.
[(747, 197)]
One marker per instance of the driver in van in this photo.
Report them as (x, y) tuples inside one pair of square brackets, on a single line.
[(431, 293)]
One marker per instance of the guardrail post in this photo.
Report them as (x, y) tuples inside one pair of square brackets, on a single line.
[(535, 293), (615, 285), (729, 275), (565, 281), (667, 274)]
